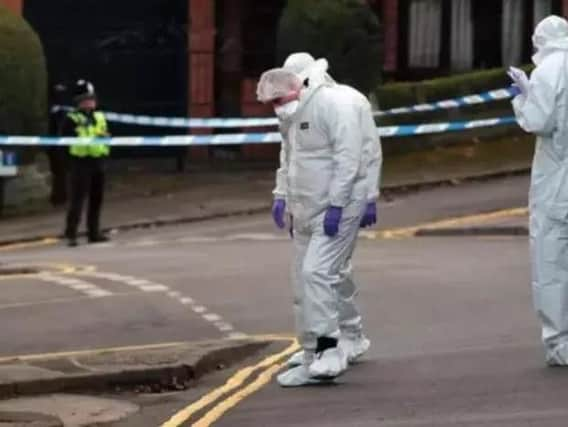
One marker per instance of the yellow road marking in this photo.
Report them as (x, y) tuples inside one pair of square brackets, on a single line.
[(45, 356), (232, 383), (72, 268), (273, 337), (405, 232), (41, 356), (43, 242), (219, 410), (60, 269)]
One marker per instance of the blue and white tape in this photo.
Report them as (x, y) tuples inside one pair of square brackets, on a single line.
[(480, 98), (185, 123), (245, 138)]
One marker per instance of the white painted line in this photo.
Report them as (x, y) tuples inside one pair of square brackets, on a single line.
[(223, 326), (137, 282), (82, 286), (98, 293), (85, 288), (154, 288), (212, 317), (149, 286), (237, 336)]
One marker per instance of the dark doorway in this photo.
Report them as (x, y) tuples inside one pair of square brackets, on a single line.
[(134, 51), (487, 15)]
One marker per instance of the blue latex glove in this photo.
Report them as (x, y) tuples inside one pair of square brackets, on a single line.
[(515, 90), (331, 220), (370, 216), (278, 211)]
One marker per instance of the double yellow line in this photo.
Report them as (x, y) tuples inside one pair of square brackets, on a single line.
[(267, 367), (467, 220)]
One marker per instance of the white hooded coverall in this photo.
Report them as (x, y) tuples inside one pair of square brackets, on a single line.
[(325, 156), (544, 112)]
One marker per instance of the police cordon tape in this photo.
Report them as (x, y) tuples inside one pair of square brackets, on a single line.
[(244, 138), (184, 122)]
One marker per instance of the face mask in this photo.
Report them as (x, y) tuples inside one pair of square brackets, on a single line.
[(284, 112)]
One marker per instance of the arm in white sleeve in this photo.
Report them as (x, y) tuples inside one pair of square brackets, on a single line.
[(374, 154), (281, 190), (536, 111), (346, 138)]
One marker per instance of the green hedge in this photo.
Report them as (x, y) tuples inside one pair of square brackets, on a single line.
[(345, 32), (23, 78), (403, 94)]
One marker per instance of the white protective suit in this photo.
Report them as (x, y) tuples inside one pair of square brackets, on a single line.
[(544, 112), (350, 321), (323, 163)]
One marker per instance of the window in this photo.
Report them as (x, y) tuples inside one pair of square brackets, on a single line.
[(425, 33)]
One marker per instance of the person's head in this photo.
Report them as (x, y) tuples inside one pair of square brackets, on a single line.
[(550, 34), (305, 65), (298, 62), (84, 95), (281, 89)]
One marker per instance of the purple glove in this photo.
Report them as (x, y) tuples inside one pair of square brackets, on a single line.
[(278, 211), (370, 216), (515, 90), (331, 220)]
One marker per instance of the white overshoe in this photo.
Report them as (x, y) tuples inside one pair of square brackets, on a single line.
[(297, 377), (354, 348), (328, 364), (296, 359)]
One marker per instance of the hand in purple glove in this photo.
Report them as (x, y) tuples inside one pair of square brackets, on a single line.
[(331, 220), (370, 216), (515, 90), (278, 211)]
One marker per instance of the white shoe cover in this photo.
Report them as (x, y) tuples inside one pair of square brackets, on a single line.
[(354, 348), (297, 377), (296, 359), (329, 364)]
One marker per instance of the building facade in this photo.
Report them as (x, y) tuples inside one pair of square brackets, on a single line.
[(203, 57)]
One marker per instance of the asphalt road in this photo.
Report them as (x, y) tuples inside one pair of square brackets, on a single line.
[(455, 341)]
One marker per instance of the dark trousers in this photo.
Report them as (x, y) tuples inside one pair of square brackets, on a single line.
[(87, 180)]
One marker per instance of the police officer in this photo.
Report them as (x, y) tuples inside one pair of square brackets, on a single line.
[(87, 163)]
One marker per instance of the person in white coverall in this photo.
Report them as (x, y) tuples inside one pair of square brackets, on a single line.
[(324, 181), (541, 107), (353, 341)]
